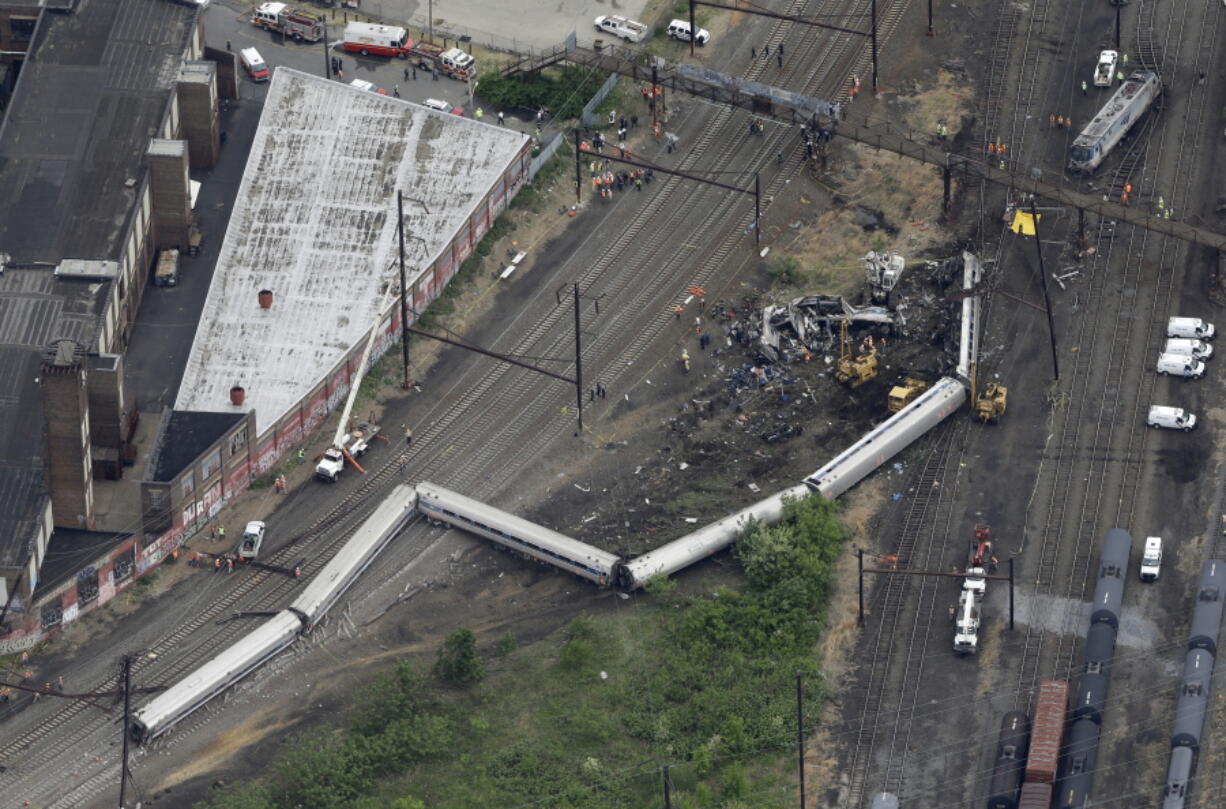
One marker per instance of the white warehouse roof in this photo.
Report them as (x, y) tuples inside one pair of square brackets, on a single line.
[(314, 222)]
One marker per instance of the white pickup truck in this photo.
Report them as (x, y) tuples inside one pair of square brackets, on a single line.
[(618, 26), (355, 444)]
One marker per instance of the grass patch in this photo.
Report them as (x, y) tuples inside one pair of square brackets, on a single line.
[(585, 718)]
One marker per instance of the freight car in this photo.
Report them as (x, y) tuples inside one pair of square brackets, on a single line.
[(1207, 614), (1112, 567), (1099, 648), (1178, 775), (1077, 765), (1035, 795), (1047, 733), (1193, 700), (1090, 697), (1113, 121), (1010, 761)]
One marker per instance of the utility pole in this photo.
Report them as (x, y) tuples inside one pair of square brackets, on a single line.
[(327, 56), (1010, 593), (404, 306), (578, 169), (860, 564), (668, 798), (578, 364), (874, 13), (800, 736), (127, 717), (757, 209), (1051, 327), (1118, 9), (931, 31)]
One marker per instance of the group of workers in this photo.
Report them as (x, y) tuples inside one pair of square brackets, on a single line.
[(1062, 121)]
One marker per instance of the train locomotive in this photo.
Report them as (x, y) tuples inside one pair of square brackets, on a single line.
[(1113, 121)]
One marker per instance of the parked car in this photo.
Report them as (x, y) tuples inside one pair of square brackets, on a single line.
[(1179, 365), (1172, 418), (680, 29), (442, 106), (369, 87)]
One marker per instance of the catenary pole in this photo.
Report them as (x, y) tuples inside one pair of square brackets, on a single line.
[(127, 718), (800, 735), (1051, 327), (578, 364), (404, 306)]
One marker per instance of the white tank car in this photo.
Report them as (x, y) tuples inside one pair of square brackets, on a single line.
[(888, 438), (710, 539), (372, 535), (163, 711), (528, 538), (1113, 121)]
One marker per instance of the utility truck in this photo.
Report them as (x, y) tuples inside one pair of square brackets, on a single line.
[(289, 21), (348, 445), (619, 26)]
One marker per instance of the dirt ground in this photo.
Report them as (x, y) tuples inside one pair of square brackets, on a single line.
[(703, 445)]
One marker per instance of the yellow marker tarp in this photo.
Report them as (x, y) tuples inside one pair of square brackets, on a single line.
[(1023, 223)]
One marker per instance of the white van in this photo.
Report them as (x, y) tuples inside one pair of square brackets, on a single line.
[(1192, 327), (1178, 365), (1188, 347), (253, 63), (1172, 418), (253, 538), (1104, 73), (680, 29), (1151, 559)]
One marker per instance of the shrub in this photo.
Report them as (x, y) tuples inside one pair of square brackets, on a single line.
[(457, 662)]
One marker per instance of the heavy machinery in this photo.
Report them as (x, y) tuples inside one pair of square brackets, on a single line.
[(882, 271), (905, 393), (854, 368), (348, 445), (974, 588), (990, 404)]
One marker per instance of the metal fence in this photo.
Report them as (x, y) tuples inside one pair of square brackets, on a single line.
[(589, 115), (547, 151)]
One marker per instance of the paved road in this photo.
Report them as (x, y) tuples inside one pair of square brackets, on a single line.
[(515, 25)]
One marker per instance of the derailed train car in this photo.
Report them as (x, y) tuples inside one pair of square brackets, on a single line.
[(238, 660)]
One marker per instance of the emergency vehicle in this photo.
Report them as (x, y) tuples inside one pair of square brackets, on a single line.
[(381, 40), (290, 21)]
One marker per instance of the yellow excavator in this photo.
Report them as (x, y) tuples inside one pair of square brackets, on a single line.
[(991, 402), (905, 393), (853, 368)]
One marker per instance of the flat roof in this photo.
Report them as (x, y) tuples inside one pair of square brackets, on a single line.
[(314, 222), (94, 88), (36, 309)]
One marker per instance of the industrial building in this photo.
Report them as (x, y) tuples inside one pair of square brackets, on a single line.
[(308, 257), (109, 104)]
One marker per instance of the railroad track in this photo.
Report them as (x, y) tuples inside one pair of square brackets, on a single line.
[(486, 439), (887, 606)]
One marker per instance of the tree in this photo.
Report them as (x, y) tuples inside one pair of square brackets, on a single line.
[(458, 663)]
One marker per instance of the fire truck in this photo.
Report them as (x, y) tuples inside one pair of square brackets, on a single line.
[(290, 21), (451, 62)]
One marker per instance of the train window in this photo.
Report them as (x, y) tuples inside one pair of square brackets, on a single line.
[(1192, 689)]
